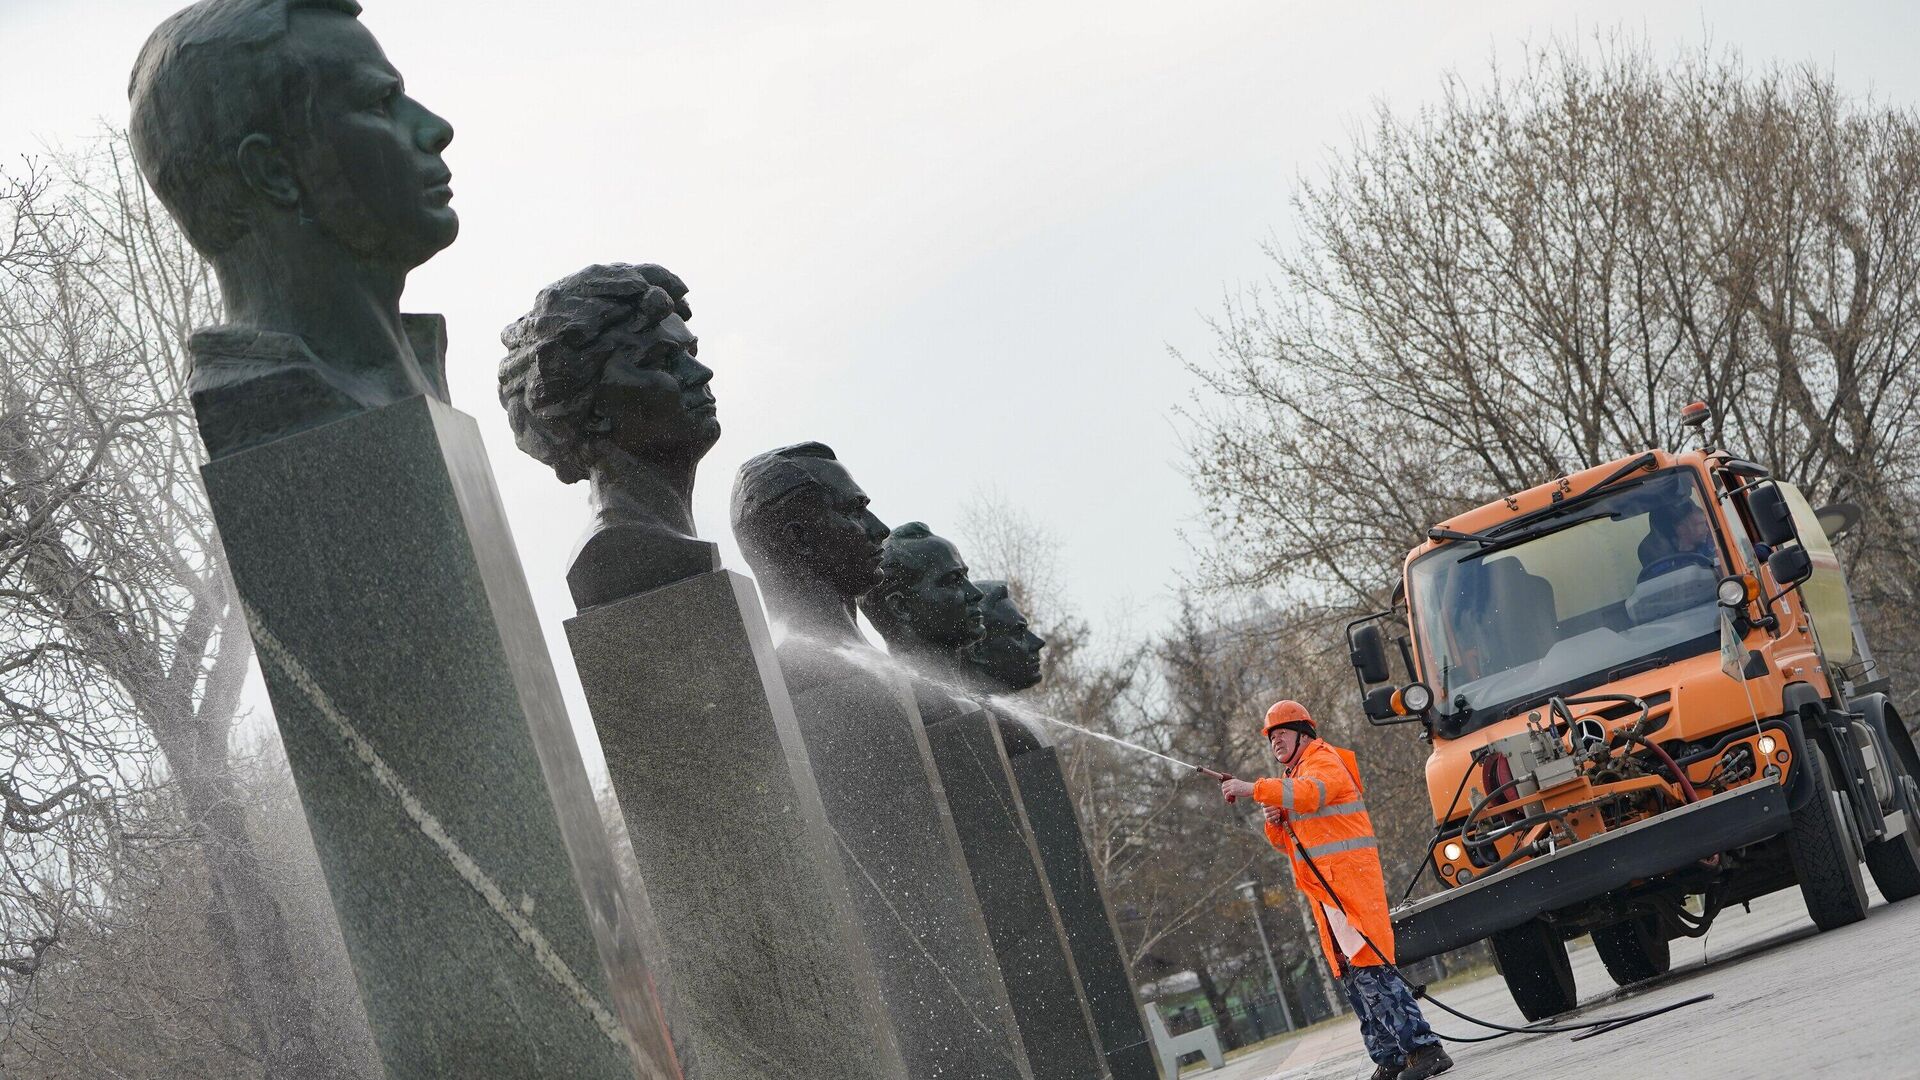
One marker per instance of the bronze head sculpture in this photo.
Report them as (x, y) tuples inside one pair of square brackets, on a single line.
[(283, 141), (805, 529), (1007, 656), (602, 382), (1006, 660), (923, 605)]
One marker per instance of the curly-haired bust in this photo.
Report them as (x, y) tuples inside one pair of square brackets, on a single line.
[(601, 383)]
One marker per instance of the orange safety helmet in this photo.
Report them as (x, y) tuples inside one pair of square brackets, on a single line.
[(1288, 713)]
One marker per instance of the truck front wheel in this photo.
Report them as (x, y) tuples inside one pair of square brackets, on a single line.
[(1635, 950), (1820, 845), (1534, 962)]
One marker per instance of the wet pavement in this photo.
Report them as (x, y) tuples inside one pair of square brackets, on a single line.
[(1787, 1002)]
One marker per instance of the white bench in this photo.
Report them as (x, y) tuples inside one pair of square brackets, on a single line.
[(1169, 1048)]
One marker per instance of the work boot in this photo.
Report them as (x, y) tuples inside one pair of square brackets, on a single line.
[(1426, 1061), (1388, 1072)]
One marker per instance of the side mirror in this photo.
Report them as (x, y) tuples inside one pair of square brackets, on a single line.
[(1790, 565), (1369, 657), (1771, 515)]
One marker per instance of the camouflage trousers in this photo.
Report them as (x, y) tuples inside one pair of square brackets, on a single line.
[(1390, 1021)]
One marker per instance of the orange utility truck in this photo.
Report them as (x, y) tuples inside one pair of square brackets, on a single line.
[(1648, 698)]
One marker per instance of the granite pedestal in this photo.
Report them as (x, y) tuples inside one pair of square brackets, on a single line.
[(1015, 898), (916, 902), (764, 971), (466, 859), (1091, 935)]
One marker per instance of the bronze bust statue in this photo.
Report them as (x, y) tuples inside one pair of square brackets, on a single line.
[(1006, 660), (806, 531), (283, 141), (601, 382), (1007, 656), (923, 605)]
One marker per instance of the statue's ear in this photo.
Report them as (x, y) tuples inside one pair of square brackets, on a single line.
[(266, 171), (599, 419), (795, 538), (895, 605)]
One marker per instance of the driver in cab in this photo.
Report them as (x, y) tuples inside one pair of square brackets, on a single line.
[(1679, 535)]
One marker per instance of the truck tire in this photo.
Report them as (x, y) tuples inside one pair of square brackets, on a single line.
[(1895, 861), (1533, 960), (1635, 950), (1820, 846)]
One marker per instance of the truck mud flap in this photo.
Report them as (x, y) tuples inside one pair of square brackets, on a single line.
[(1472, 912)]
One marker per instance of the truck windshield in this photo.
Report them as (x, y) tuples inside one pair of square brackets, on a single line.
[(1564, 602)]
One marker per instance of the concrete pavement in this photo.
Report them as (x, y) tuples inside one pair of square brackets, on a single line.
[(1788, 1002)]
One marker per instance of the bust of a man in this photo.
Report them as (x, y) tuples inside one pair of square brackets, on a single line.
[(1006, 660), (924, 605), (602, 383), (1007, 656), (806, 531), (285, 144)]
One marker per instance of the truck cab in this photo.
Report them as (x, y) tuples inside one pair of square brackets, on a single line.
[(1647, 698)]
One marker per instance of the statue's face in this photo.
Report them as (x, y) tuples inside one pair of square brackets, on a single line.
[(943, 607), (1009, 652), (836, 536), (369, 171), (656, 396)]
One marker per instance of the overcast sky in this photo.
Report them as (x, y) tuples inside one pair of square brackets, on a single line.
[(955, 241)]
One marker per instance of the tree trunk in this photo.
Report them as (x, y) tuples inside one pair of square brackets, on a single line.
[(1229, 1035), (250, 929)]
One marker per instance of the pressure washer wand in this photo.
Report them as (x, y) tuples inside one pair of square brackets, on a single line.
[(1217, 777)]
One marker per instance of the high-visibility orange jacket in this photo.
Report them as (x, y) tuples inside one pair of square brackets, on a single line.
[(1321, 794)]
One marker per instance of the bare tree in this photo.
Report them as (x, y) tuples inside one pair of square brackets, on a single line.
[(1531, 276), (124, 647)]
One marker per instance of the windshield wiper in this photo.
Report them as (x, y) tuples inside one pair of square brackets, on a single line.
[(1438, 533), (1638, 666), (1645, 461), (1546, 527)]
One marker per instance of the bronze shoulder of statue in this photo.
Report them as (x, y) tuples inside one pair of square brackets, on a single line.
[(602, 382), (250, 386)]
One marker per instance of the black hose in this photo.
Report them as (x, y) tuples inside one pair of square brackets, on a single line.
[(1593, 1027), (1588, 1027), (1666, 759), (1480, 804), (1440, 830), (1527, 822)]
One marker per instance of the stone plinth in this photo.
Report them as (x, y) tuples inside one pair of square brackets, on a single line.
[(1015, 898), (764, 971), (910, 884), (424, 728), (1083, 912)]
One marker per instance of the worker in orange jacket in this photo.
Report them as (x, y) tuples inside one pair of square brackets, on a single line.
[(1319, 802)]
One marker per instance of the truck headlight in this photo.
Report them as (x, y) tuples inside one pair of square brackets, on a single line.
[(1732, 591), (1766, 745), (1416, 697), (1452, 851)]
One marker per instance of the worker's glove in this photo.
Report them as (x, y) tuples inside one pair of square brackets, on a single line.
[(1275, 815)]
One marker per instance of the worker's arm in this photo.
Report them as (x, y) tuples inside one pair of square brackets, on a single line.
[(1233, 788), (1319, 782)]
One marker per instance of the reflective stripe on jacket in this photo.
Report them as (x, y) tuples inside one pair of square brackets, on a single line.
[(1322, 796)]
